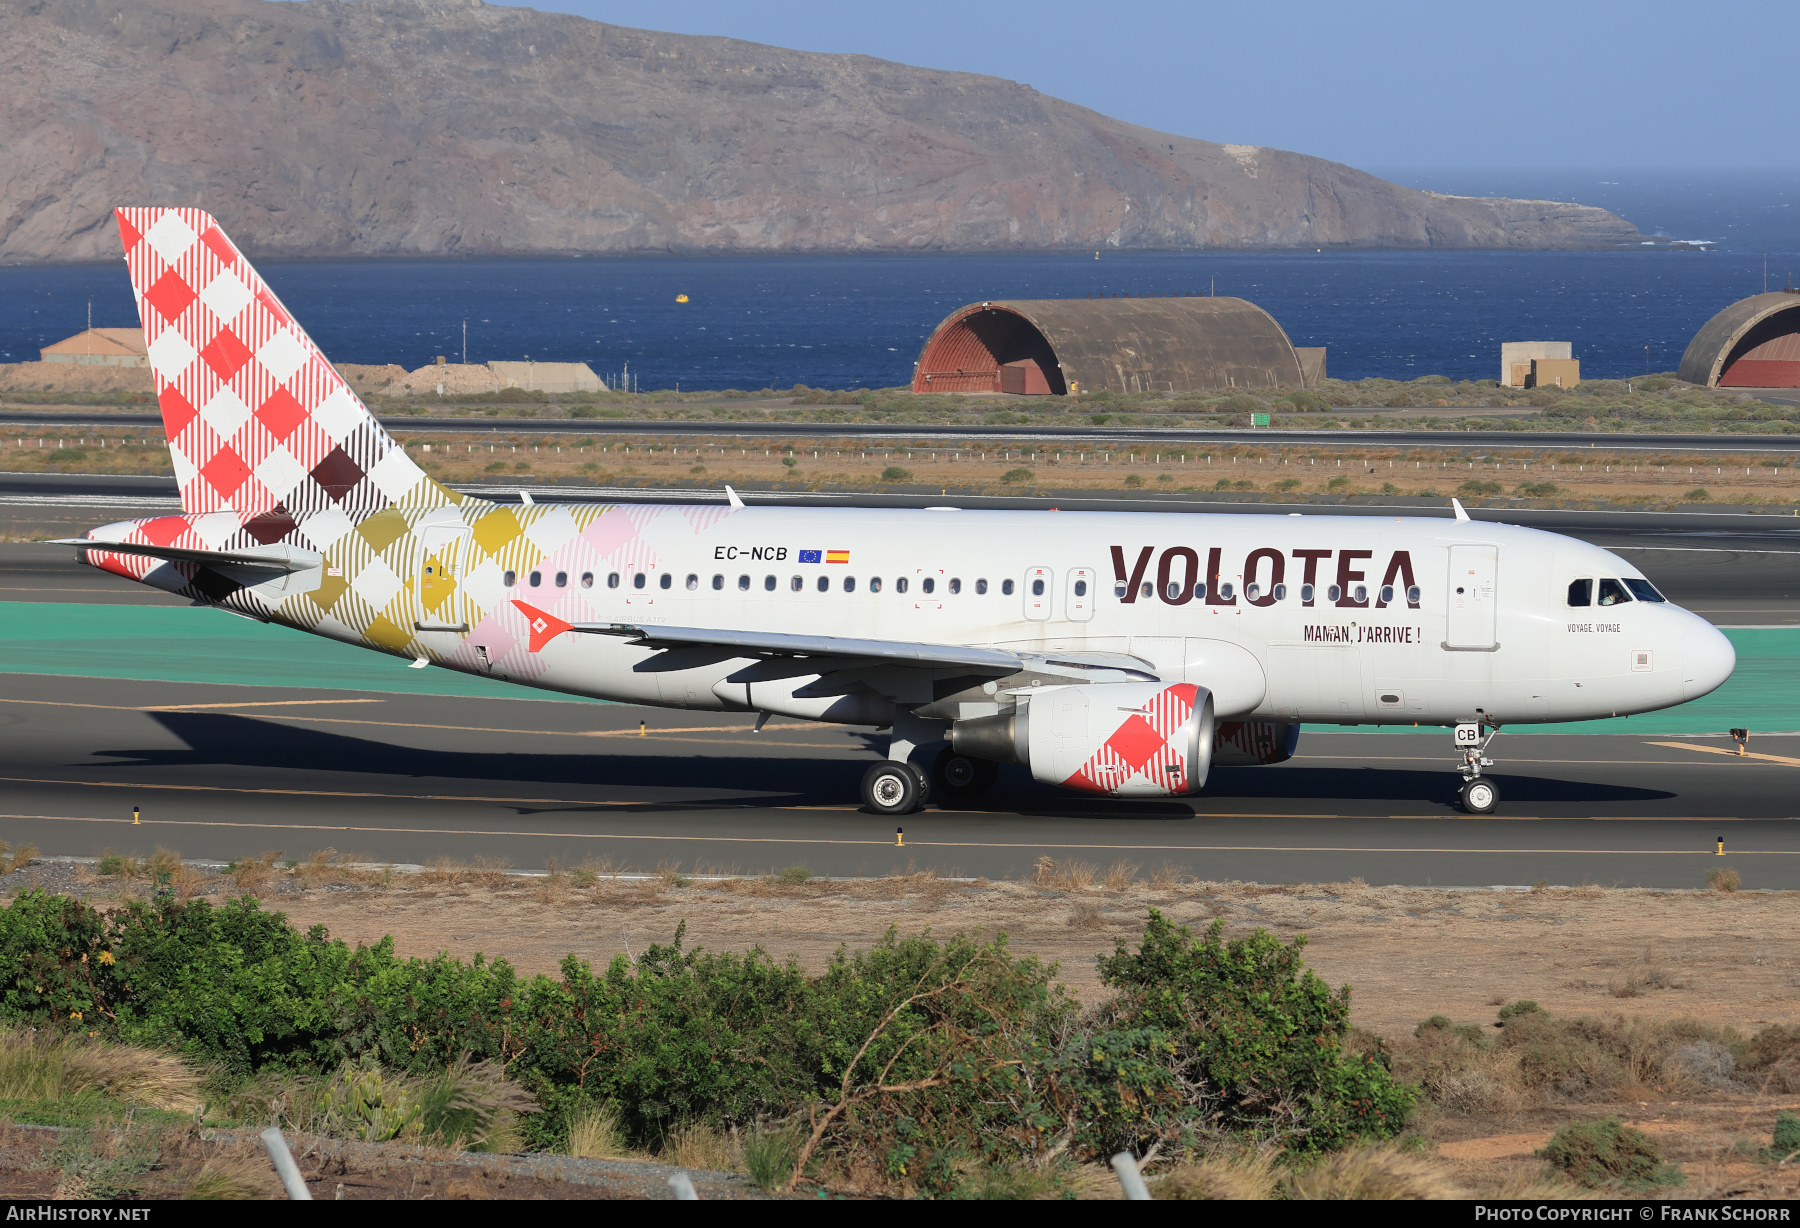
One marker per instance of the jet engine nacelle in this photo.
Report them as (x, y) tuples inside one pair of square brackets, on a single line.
[(1131, 739), (1252, 743)]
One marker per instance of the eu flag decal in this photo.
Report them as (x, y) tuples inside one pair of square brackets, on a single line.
[(809, 556)]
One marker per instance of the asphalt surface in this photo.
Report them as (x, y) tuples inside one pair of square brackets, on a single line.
[(221, 772), (1090, 435)]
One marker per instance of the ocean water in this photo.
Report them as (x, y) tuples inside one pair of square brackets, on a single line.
[(859, 321)]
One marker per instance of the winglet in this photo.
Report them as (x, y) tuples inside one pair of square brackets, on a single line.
[(544, 627), (737, 504), (1460, 514)]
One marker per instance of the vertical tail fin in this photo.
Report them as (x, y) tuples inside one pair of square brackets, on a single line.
[(258, 422)]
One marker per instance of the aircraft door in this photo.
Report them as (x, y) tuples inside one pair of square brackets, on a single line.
[(1078, 605), (1472, 601), (1037, 592), (442, 601)]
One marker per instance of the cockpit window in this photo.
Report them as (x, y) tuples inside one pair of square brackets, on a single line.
[(1643, 590), (1581, 592), (1613, 593)]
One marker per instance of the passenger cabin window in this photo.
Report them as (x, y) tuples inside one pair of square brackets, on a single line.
[(874, 584), (849, 584), (587, 579), (1613, 593), (1644, 591), (668, 579), (1120, 588), (981, 588), (900, 585), (612, 580), (796, 584), (824, 584), (1081, 588), (537, 578), (1387, 594), (562, 579), (1173, 591), (693, 582), (718, 583), (1252, 592), (1412, 594), (768, 584), (1280, 592), (1333, 593), (928, 584), (1199, 592), (1581, 592), (1306, 593), (1037, 588), (511, 578), (637, 580), (955, 586), (1224, 592), (744, 584), (1145, 593)]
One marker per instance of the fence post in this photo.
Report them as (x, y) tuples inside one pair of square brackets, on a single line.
[(283, 1159), (1130, 1180)]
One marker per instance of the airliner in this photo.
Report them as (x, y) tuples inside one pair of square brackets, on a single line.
[(1107, 652)]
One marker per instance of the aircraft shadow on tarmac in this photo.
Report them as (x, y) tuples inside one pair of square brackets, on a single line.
[(829, 780)]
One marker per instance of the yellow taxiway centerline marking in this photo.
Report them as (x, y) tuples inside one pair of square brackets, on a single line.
[(884, 843), (266, 703), (1719, 750)]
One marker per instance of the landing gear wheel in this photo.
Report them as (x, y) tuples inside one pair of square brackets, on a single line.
[(891, 788), (959, 775), (1479, 796)]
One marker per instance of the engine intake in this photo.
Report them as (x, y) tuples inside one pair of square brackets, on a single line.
[(1130, 739)]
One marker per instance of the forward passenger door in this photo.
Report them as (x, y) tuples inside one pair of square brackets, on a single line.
[(1472, 600)]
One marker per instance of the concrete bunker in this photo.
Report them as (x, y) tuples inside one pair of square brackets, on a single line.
[(1754, 343), (1055, 347)]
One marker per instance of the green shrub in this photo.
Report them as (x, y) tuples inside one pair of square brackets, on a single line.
[(1697, 495), (1538, 490), (894, 473), (1134, 481), (1261, 1031), (1014, 476), (1475, 488), (65, 456), (1605, 1153), (1337, 483), (1786, 1141)]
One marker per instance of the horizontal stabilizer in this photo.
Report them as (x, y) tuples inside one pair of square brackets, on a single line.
[(279, 559)]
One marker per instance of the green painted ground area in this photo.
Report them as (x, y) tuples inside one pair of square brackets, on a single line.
[(182, 644), (196, 645)]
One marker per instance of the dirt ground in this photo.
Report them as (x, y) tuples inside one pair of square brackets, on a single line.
[(1408, 953), (1543, 477)]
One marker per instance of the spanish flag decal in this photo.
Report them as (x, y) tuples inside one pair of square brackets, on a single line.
[(837, 556)]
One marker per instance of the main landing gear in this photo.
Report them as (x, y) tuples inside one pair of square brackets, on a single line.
[(900, 785), (1477, 796)]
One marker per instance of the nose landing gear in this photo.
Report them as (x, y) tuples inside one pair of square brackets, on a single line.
[(1477, 796)]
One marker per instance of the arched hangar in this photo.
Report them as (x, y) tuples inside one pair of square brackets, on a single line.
[(1754, 343), (1058, 346)]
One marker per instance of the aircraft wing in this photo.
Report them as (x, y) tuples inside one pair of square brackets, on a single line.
[(782, 644), (280, 559)]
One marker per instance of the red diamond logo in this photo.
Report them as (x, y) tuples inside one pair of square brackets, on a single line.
[(226, 471), (177, 411), (225, 354), (281, 413), (128, 234), (1136, 743), (163, 530), (170, 296)]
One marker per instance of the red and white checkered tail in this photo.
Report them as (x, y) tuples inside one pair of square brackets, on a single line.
[(258, 422)]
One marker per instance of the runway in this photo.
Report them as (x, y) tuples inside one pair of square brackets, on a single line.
[(223, 772), (1082, 433), (233, 738)]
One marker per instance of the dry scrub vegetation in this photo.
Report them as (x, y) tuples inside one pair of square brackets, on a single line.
[(1616, 1032)]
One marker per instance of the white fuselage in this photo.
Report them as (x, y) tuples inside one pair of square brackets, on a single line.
[(1507, 647)]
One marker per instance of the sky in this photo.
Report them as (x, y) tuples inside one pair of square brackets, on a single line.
[(1528, 84)]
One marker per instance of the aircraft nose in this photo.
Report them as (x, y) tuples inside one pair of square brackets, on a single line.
[(1707, 659)]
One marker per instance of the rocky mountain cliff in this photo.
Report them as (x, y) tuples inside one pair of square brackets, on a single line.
[(447, 127)]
